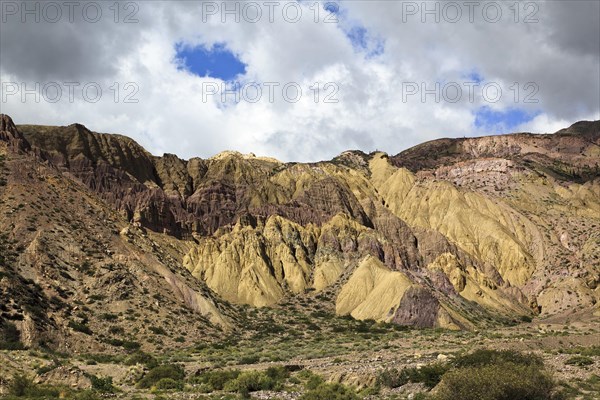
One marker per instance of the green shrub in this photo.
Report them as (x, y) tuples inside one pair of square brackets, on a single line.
[(19, 385), (330, 391), (392, 378), (250, 359), (487, 357), (79, 327), (430, 375), (252, 381), (22, 386), (114, 342), (278, 373), (127, 345), (103, 385), (116, 330), (157, 330), (216, 380), (580, 361), (109, 317), (172, 371), (501, 381), (312, 380), (169, 384)]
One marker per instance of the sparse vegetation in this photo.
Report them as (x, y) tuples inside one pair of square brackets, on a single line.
[(80, 327), (330, 391), (503, 380), (430, 375), (580, 361), (171, 371)]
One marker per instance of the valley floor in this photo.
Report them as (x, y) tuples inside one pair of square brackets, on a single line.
[(355, 356)]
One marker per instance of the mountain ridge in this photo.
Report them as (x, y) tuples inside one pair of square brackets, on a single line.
[(490, 229)]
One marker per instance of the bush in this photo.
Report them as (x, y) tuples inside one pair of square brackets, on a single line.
[(252, 381), (157, 330), (278, 373), (272, 378), (169, 384), (22, 386), (127, 345), (312, 380), (104, 385), (172, 371), (392, 378), (580, 361), (330, 391), (79, 327), (250, 359), (487, 357), (116, 330), (430, 375), (19, 385), (216, 380), (501, 381), (109, 317)]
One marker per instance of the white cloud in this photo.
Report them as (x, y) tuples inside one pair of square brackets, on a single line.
[(172, 117)]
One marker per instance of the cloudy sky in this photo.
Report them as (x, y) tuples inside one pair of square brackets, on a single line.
[(300, 80)]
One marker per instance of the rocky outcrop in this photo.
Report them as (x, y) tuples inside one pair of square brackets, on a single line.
[(10, 134)]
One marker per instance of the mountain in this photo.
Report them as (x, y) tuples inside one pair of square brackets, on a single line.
[(455, 233)]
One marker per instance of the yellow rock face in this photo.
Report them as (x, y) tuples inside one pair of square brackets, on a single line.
[(504, 239), (326, 273), (236, 267), (251, 266), (489, 230), (373, 291)]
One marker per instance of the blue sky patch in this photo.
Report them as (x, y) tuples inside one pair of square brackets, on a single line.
[(474, 76), (362, 41), (502, 121), (331, 7), (216, 62), (358, 37)]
